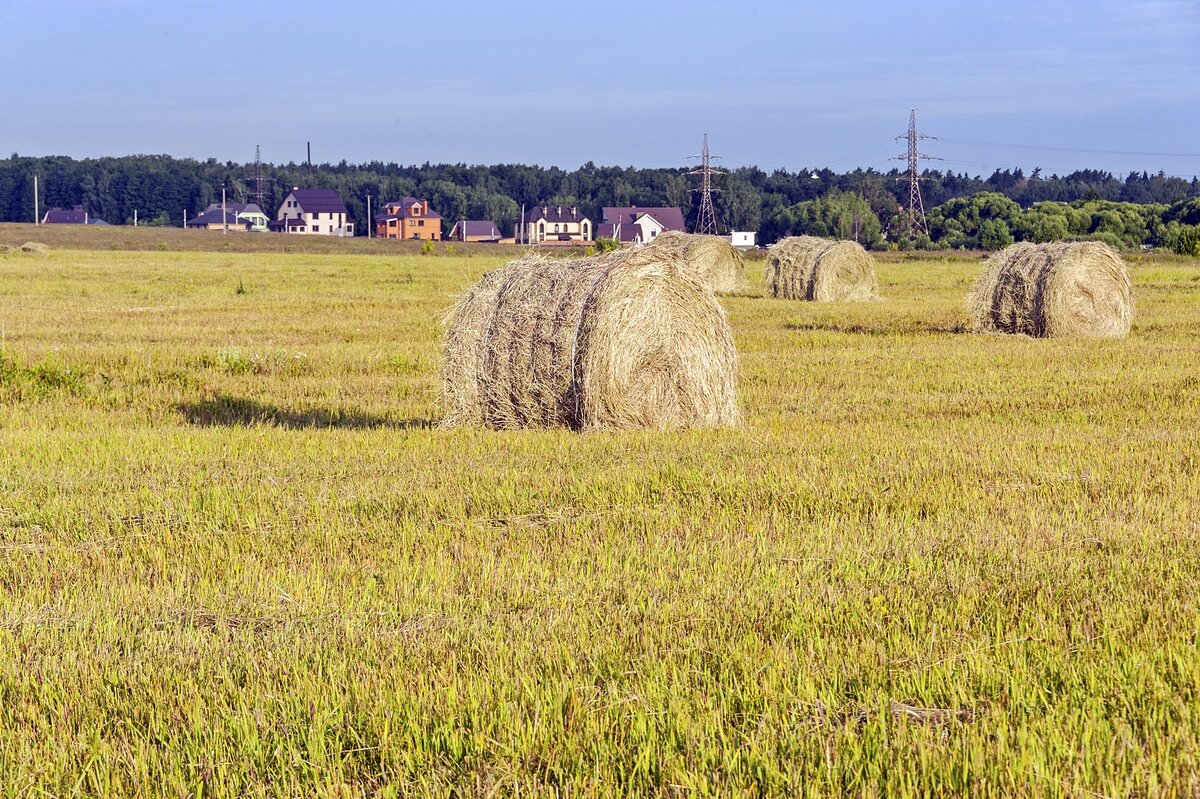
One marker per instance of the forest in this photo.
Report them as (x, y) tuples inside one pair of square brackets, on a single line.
[(965, 211)]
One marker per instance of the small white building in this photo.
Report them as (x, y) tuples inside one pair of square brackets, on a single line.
[(742, 239)]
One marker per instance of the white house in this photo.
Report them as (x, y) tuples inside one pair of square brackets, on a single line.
[(742, 239), (309, 212), (633, 225), (555, 224)]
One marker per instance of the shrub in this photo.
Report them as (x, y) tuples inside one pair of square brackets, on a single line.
[(1188, 242)]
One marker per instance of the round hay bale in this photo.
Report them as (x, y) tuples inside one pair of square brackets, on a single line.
[(1077, 289), (820, 270), (710, 258), (33, 246), (626, 340)]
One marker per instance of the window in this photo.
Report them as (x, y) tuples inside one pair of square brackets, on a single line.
[(420, 223), (316, 228), (653, 233)]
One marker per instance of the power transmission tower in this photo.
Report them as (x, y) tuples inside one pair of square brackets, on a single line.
[(259, 179), (915, 213), (706, 219)]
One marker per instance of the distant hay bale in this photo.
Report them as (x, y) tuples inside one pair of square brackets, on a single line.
[(625, 340), (33, 246), (1077, 289), (820, 270), (710, 258)]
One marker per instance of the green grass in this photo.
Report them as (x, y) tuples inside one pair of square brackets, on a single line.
[(237, 558)]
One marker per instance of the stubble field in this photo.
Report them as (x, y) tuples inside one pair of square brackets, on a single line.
[(238, 558)]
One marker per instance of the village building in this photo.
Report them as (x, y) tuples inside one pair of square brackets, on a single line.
[(741, 239), (633, 225), (72, 216), (483, 231), (238, 216), (557, 224), (409, 218), (310, 212)]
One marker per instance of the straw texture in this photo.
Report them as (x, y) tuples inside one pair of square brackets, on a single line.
[(1079, 289), (820, 270), (626, 340)]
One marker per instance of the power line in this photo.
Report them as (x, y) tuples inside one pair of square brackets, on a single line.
[(1049, 148)]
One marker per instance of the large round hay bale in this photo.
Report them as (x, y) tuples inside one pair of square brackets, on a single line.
[(710, 258), (820, 270), (626, 340), (1057, 289), (33, 246)]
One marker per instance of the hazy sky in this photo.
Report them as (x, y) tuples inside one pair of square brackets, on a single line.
[(1103, 84)]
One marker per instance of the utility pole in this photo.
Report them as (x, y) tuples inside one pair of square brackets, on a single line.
[(706, 218), (310, 159), (37, 212), (224, 217), (370, 219), (135, 217), (915, 213)]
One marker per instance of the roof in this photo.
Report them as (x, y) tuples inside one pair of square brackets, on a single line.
[(669, 218), (235, 208), (62, 216), (476, 227), (319, 201), (399, 209), (555, 213), (629, 232), (213, 217)]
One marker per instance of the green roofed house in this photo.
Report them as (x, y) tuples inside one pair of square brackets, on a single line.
[(238, 216)]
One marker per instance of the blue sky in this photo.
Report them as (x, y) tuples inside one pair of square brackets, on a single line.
[(1062, 86)]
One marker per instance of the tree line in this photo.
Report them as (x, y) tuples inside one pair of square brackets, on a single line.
[(863, 204)]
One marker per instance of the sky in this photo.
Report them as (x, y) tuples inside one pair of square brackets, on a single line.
[(796, 85)]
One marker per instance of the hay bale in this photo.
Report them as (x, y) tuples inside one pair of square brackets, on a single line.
[(1058, 289), (33, 246), (820, 270), (625, 340), (710, 258)]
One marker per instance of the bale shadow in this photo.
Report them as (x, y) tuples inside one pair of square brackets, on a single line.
[(224, 410)]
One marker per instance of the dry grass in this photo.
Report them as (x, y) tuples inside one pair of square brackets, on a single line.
[(1079, 289), (238, 557), (820, 270), (627, 340)]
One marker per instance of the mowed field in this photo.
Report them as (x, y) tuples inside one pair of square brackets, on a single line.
[(239, 558)]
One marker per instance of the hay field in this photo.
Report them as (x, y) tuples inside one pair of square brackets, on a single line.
[(237, 560)]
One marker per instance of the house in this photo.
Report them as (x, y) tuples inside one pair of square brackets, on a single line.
[(238, 216), (409, 218), (741, 240), (310, 212), (633, 225), (474, 230), (74, 216), (556, 224)]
